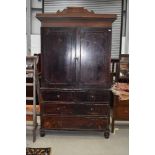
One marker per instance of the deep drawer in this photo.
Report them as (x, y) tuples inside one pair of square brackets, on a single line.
[(92, 96), (98, 96), (76, 96), (57, 96), (76, 109), (57, 122)]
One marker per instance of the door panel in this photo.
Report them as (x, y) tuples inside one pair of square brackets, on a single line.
[(94, 64), (78, 56), (58, 56)]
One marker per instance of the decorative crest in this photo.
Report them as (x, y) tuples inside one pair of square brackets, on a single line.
[(74, 11)]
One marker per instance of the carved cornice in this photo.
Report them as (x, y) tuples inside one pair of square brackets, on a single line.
[(73, 15), (75, 11)]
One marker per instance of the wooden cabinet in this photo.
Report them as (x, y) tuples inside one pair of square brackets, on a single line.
[(75, 68), (120, 111), (76, 53)]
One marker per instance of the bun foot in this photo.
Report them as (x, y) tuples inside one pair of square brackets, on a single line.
[(106, 134), (42, 133)]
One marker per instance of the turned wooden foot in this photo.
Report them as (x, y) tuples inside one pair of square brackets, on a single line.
[(106, 134), (42, 133)]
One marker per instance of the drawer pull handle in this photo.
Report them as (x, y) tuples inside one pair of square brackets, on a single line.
[(58, 108), (58, 96), (92, 109), (92, 96)]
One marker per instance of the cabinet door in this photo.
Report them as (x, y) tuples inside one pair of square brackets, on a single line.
[(94, 53), (58, 50)]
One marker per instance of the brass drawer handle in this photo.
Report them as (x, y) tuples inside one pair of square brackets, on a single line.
[(58, 108), (92, 97), (58, 96), (92, 109)]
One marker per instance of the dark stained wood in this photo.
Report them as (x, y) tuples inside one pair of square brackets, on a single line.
[(75, 68), (75, 13), (94, 56), (77, 24), (120, 111), (76, 96), (76, 16), (58, 56), (74, 123), (114, 70), (76, 109)]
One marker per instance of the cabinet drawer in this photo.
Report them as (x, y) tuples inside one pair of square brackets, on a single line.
[(76, 109), (122, 112), (98, 96), (76, 96), (92, 96), (57, 96), (71, 123)]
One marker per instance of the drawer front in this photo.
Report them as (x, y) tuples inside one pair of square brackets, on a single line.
[(98, 96), (77, 109), (57, 96), (122, 112), (76, 96), (92, 96), (57, 122)]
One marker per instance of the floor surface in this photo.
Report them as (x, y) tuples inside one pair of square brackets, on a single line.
[(84, 142)]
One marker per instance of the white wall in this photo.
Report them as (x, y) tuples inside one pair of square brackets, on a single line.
[(35, 44), (127, 29), (124, 42), (36, 4), (34, 29), (35, 36), (35, 23), (125, 39)]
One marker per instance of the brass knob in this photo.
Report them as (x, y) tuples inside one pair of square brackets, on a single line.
[(92, 96), (58, 96), (92, 109), (58, 108)]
